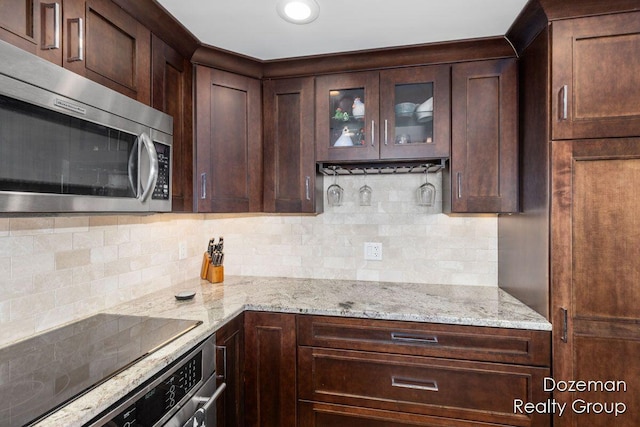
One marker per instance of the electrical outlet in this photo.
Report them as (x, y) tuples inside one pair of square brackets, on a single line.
[(373, 251), (182, 250)]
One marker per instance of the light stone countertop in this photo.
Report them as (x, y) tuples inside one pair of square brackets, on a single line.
[(215, 304)]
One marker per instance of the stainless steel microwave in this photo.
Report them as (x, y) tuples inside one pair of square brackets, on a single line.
[(68, 144)]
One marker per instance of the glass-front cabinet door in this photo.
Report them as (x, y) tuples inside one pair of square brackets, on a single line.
[(415, 108), (347, 117), (387, 115)]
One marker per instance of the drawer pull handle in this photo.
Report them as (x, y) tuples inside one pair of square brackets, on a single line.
[(395, 336), (427, 385)]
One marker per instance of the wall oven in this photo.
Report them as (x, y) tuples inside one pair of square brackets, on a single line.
[(68, 144), (183, 394)]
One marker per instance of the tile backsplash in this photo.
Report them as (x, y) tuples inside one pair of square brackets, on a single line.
[(56, 269)]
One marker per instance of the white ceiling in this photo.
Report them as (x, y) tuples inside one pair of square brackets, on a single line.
[(254, 28)]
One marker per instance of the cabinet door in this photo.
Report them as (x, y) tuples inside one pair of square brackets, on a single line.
[(270, 369), (34, 26), (108, 46), (595, 276), (415, 113), (347, 119), (595, 78), (172, 93), (228, 142), (230, 359), (289, 156), (484, 147)]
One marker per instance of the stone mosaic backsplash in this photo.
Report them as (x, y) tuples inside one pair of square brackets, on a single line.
[(55, 269)]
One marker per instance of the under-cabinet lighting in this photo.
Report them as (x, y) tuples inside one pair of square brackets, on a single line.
[(298, 11)]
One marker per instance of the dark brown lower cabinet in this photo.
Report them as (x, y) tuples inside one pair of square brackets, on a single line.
[(270, 369), (357, 372), (230, 360)]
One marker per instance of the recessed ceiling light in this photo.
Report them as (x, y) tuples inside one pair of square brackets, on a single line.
[(298, 11)]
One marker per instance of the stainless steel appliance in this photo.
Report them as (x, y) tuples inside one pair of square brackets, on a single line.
[(44, 372), (68, 144), (183, 394)]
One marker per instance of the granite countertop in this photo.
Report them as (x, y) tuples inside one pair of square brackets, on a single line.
[(215, 304)]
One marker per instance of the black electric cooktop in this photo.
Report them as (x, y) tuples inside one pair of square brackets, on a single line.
[(40, 374)]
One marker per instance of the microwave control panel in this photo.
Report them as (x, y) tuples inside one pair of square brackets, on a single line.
[(161, 191)]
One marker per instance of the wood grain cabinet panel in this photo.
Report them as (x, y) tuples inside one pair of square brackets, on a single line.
[(595, 79), (515, 346), (429, 386), (172, 94), (483, 172), (230, 365), (393, 373), (595, 247), (108, 46), (270, 369), (289, 149), (34, 26), (229, 168)]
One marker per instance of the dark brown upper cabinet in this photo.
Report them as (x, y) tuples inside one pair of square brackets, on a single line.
[(388, 115), (483, 170), (108, 46), (171, 92), (595, 79), (34, 26), (228, 174), (289, 149)]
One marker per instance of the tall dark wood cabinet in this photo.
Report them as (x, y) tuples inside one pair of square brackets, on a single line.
[(270, 369), (596, 247), (171, 92), (230, 370), (290, 182), (581, 133), (483, 170), (228, 172)]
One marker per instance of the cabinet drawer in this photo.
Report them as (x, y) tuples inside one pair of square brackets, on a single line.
[(421, 385), (314, 414), (514, 346)]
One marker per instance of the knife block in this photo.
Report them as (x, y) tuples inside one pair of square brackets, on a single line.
[(215, 274), (212, 273)]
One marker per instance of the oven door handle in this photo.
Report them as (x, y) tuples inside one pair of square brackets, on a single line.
[(211, 400)]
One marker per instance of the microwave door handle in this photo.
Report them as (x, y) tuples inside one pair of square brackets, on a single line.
[(133, 160), (153, 167)]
